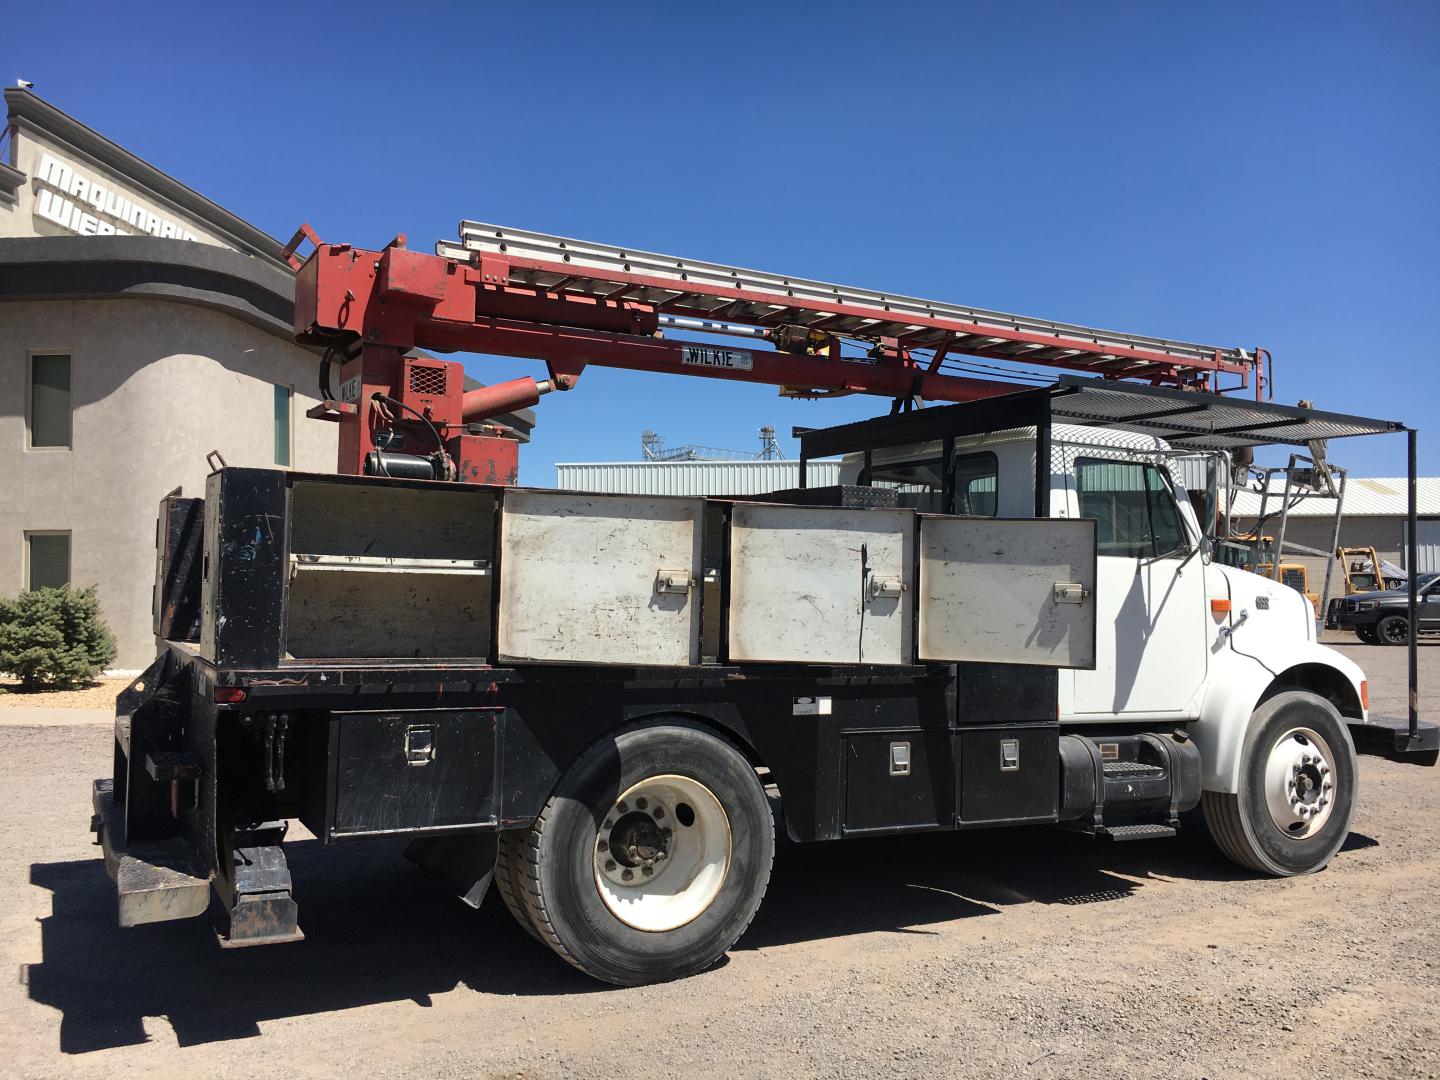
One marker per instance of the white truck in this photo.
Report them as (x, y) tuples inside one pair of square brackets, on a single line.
[(1230, 656), (1006, 615)]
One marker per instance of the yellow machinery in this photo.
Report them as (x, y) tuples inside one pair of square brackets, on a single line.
[(1243, 552), (1363, 570)]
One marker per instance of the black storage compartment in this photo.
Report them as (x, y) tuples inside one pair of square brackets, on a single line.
[(890, 780), (1009, 774), (410, 771)]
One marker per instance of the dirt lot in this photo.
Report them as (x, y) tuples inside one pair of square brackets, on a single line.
[(1034, 954)]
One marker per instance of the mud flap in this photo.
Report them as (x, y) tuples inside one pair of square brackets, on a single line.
[(465, 863)]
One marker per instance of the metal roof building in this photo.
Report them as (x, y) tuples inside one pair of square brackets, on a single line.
[(691, 477), (1380, 496), (1375, 510)]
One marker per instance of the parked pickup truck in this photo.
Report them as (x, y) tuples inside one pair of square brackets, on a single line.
[(1382, 617)]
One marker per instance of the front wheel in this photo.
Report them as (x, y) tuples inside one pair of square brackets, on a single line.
[(1366, 634), (650, 859), (1393, 630), (1297, 789)]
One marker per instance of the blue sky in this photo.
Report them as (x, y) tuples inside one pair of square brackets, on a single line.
[(1232, 173)]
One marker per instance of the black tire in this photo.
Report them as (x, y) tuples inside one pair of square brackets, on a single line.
[(1393, 630), (1242, 825), (1366, 634), (509, 868), (558, 886)]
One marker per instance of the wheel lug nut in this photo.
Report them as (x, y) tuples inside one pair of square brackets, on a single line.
[(648, 870), (609, 864), (642, 803), (628, 875), (609, 824), (603, 846), (659, 812), (621, 806)]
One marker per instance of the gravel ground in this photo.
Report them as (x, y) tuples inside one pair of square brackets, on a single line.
[(98, 695), (1010, 954)]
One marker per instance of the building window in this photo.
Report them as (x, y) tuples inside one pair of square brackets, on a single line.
[(49, 420), (283, 395), (48, 559)]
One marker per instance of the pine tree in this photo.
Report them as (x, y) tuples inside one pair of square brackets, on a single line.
[(54, 638)]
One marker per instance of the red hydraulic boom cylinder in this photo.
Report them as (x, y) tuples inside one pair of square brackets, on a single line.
[(490, 401)]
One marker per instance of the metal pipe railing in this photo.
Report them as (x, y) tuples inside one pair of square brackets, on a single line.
[(1412, 564)]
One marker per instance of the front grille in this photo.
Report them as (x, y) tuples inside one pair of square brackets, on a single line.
[(428, 381)]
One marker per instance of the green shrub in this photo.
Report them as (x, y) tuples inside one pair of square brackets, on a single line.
[(54, 638)]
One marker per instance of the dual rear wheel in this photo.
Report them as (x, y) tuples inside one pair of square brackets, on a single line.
[(649, 860)]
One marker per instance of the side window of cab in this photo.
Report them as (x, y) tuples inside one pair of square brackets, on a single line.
[(1134, 506)]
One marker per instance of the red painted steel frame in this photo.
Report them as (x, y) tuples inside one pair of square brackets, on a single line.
[(404, 299)]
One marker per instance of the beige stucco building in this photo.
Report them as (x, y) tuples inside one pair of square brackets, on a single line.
[(141, 327)]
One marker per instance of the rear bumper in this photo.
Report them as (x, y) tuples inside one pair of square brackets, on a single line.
[(155, 881)]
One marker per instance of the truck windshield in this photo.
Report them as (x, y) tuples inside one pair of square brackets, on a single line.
[(1134, 506)]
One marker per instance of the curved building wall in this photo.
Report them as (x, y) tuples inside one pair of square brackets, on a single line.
[(154, 385)]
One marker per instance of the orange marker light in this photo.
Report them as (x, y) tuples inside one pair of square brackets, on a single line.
[(1219, 606), (1365, 694)]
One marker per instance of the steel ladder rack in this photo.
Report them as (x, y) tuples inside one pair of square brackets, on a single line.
[(715, 293)]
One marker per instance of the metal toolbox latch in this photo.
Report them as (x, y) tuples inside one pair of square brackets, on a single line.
[(899, 759), (886, 588), (1070, 592), (419, 744), (673, 582)]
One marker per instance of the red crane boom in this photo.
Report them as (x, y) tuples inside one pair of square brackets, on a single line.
[(570, 304)]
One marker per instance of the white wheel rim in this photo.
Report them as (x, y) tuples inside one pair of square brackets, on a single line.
[(662, 853), (1300, 783)]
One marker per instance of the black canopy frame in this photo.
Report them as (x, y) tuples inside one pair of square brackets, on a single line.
[(1188, 420)]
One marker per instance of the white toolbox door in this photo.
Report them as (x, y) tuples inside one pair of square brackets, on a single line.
[(606, 579), (821, 585), (1008, 591)]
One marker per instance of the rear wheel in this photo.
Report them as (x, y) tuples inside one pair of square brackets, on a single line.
[(1393, 630), (652, 856), (509, 868), (1297, 789)]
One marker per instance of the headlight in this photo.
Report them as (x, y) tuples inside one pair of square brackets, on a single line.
[(1366, 605)]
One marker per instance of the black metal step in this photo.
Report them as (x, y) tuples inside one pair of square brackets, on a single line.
[(1389, 736), (157, 880), (1132, 770), (1135, 832)]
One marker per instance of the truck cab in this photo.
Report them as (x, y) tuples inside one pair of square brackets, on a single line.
[(1181, 639)]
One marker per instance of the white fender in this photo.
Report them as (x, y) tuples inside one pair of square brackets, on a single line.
[(1257, 652)]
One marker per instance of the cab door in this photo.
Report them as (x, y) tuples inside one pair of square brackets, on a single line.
[(1151, 642)]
